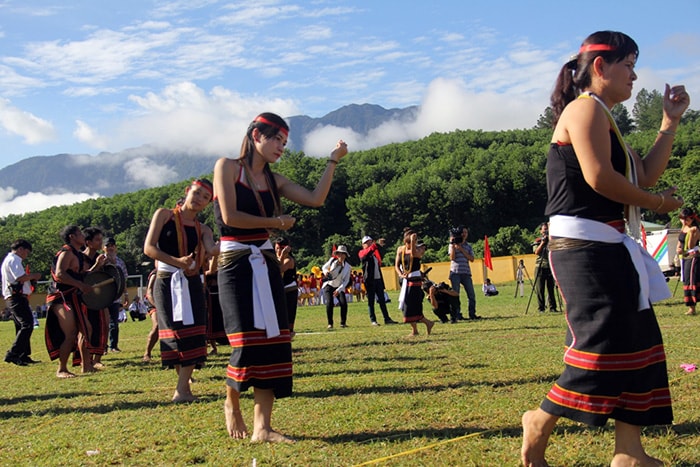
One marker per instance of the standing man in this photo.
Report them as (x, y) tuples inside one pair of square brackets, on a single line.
[(16, 288), (461, 254), (543, 274), (336, 277), (371, 259), (120, 302), (67, 314)]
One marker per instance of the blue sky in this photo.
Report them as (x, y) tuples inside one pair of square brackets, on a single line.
[(85, 76)]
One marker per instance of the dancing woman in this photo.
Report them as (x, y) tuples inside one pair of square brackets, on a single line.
[(407, 265), (615, 360), (180, 244), (689, 252), (247, 206)]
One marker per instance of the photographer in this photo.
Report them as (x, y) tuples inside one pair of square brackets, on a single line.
[(336, 277), (461, 254), (442, 298), (543, 274)]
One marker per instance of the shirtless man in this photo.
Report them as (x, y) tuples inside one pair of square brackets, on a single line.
[(64, 318)]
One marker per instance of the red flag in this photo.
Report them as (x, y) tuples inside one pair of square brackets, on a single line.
[(644, 237), (487, 254)]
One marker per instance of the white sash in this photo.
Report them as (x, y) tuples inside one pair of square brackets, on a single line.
[(179, 294), (264, 314), (652, 283)]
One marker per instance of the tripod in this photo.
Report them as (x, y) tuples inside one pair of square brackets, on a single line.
[(520, 283), (557, 294)]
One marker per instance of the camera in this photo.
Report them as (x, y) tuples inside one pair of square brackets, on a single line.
[(427, 284), (456, 235)]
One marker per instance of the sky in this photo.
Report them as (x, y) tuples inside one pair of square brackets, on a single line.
[(88, 77)]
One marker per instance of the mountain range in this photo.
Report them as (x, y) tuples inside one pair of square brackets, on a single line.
[(146, 166)]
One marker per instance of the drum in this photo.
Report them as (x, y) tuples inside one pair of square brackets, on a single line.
[(118, 275), (105, 290)]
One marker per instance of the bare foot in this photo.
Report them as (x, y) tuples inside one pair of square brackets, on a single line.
[(271, 436), (626, 460), (146, 359), (414, 333), (64, 374), (430, 325), (98, 366), (235, 425), (534, 441), (690, 312), (183, 398)]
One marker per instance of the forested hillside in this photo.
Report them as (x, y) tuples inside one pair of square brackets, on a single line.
[(494, 182)]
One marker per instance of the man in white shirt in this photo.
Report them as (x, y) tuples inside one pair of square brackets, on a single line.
[(137, 309), (16, 288), (336, 277)]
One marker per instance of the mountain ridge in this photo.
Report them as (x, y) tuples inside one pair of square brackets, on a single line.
[(108, 174)]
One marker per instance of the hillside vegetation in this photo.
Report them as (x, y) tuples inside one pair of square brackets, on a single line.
[(494, 182)]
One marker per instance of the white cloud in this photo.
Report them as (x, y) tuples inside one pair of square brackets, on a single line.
[(315, 32), (184, 117), (447, 105), (144, 170), (84, 133), (34, 202), (33, 129)]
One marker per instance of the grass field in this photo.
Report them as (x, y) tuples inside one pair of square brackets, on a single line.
[(363, 396)]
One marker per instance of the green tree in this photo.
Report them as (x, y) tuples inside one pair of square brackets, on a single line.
[(546, 120), (623, 119), (648, 109)]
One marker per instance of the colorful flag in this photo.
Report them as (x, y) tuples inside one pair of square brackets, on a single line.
[(487, 254)]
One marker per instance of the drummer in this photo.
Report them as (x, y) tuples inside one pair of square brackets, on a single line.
[(98, 319), (180, 244), (66, 314)]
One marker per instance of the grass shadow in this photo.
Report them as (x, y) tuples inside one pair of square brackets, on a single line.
[(42, 397)]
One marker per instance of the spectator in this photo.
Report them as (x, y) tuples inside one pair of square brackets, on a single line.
[(16, 288), (137, 309), (461, 254), (543, 274), (489, 289), (371, 258), (336, 274), (120, 302)]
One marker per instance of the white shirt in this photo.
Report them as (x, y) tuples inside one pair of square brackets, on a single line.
[(138, 306), (12, 268), (340, 273)]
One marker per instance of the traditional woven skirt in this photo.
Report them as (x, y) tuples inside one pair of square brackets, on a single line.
[(615, 359), (181, 344), (99, 322), (413, 302), (691, 280), (215, 318), (53, 334), (256, 361)]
